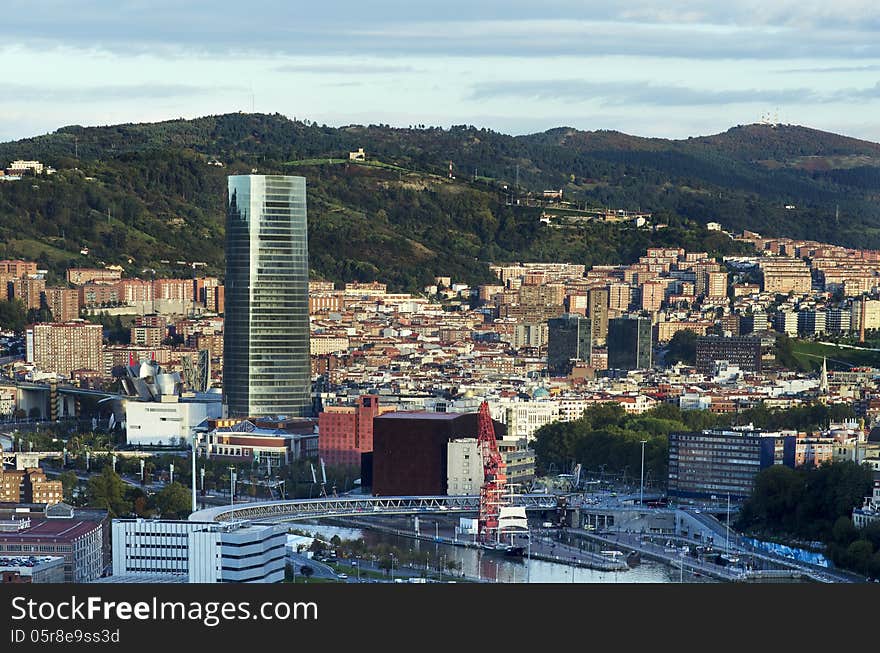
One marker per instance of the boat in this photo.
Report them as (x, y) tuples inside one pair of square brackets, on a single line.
[(633, 559)]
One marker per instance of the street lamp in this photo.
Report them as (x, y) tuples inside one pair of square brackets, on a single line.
[(642, 486), (195, 444)]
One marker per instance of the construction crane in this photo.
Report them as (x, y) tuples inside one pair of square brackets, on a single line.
[(494, 476)]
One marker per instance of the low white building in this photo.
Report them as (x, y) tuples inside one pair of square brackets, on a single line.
[(169, 421), (870, 511), (204, 552), (523, 418)]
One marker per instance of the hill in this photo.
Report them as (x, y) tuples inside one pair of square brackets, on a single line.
[(137, 194)]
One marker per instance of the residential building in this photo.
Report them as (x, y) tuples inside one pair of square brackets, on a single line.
[(597, 311), (79, 276), (62, 347), (63, 303), (464, 467)]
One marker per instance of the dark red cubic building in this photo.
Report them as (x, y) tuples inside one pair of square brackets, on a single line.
[(409, 450)]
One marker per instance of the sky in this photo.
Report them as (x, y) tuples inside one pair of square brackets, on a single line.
[(644, 68)]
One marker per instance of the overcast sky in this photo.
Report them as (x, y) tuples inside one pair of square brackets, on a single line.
[(641, 67)]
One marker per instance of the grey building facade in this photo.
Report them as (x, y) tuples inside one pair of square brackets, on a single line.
[(630, 343), (266, 364), (569, 339)]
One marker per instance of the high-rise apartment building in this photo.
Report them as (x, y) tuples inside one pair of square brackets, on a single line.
[(62, 347), (597, 311), (266, 367), (63, 303), (29, 290), (629, 343)]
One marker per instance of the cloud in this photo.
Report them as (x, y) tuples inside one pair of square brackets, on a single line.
[(832, 69), (610, 94), (111, 92), (704, 29), (344, 69)]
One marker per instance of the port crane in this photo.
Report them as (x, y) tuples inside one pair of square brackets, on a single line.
[(494, 476)]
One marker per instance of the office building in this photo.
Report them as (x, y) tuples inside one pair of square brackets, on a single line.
[(203, 552), (569, 339), (742, 351), (266, 367), (629, 343), (79, 540), (346, 432), (715, 463)]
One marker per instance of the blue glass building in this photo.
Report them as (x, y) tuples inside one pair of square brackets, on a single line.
[(266, 365)]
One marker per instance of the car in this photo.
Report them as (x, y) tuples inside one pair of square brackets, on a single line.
[(342, 576)]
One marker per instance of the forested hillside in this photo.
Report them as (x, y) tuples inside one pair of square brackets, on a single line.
[(141, 193)]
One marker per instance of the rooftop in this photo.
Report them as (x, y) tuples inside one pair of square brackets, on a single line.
[(416, 414), (65, 530)]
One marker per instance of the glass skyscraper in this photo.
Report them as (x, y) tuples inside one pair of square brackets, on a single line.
[(569, 339), (266, 365), (630, 343)]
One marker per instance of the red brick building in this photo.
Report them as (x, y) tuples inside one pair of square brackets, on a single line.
[(345, 432)]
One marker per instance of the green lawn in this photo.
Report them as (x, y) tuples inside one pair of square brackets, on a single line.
[(809, 355)]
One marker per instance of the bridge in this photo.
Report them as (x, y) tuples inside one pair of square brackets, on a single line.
[(360, 506), (54, 400), (25, 459)]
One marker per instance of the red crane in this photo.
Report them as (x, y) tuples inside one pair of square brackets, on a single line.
[(494, 475)]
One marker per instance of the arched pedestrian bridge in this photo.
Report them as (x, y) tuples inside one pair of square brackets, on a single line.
[(359, 506)]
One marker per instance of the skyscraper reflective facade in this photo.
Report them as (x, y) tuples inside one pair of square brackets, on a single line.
[(266, 367), (630, 343)]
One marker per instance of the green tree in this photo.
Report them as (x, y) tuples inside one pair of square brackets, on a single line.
[(106, 490), (69, 481), (13, 315), (682, 348), (174, 501), (859, 555)]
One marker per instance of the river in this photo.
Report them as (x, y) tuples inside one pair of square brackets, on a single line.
[(493, 568)]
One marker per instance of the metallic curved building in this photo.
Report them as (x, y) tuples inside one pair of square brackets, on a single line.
[(266, 365)]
